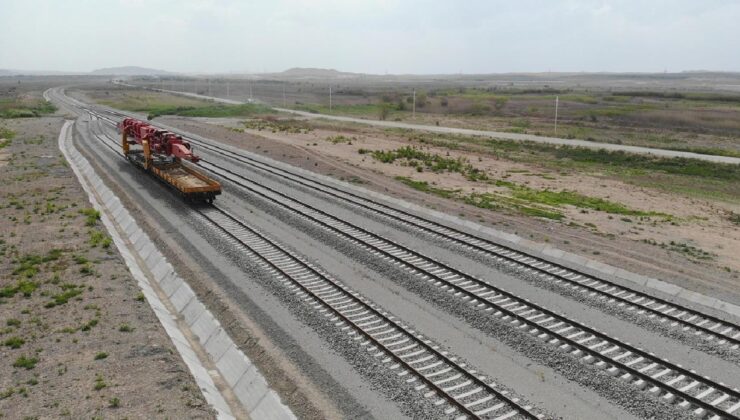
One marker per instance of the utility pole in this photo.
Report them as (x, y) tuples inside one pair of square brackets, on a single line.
[(556, 114), (413, 107), (329, 97)]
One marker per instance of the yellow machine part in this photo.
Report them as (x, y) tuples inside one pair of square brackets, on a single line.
[(124, 142), (147, 154)]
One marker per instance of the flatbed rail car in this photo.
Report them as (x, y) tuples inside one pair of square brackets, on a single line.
[(161, 154)]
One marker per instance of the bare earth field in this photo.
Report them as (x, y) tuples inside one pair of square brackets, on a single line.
[(673, 225), (77, 338)]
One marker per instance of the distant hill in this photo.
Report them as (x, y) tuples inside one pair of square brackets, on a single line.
[(129, 71), (5, 72), (309, 72)]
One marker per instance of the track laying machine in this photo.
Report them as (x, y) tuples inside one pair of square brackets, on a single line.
[(161, 153)]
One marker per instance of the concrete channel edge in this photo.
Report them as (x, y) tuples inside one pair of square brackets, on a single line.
[(192, 328)]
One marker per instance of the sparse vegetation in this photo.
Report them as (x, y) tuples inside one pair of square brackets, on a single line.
[(14, 342), (429, 161), (24, 108), (70, 291), (92, 216), (275, 125), (125, 328), (24, 362), (425, 187), (211, 111), (99, 383)]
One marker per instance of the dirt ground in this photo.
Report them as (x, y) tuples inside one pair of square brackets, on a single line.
[(77, 338), (648, 246)]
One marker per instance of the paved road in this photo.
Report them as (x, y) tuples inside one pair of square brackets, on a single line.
[(485, 133)]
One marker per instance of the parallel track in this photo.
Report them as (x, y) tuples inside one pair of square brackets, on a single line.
[(437, 373), (672, 382), (708, 326)]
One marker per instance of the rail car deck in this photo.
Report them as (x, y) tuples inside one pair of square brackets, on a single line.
[(191, 184)]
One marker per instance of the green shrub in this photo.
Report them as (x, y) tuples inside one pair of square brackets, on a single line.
[(92, 216), (15, 342), (27, 363)]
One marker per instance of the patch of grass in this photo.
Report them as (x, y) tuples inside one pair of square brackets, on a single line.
[(676, 166), (125, 328), (99, 383), (87, 269), (24, 362), (212, 111), (28, 265), (688, 250), (559, 198), (494, 201), (433, 162), (23, 286), (7, 134), (356, 110), (425, 187), (734, 218), (484, 201), (89, 324), (99, 238), (101, 355), (12, 322), (92, 216), (114, 402), (338, 139), (25, 108), (7, 393), (79, 259), (64, 297), (15, 342), (282, 125)]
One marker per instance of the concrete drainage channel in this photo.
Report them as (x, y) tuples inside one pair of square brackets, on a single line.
[(229, 381)]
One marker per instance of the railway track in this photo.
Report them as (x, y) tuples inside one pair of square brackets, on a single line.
[(668, 381), (432, 371), (677, 316), (672, 383)]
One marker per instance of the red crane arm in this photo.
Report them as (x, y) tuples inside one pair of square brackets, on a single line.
[(160, 141)]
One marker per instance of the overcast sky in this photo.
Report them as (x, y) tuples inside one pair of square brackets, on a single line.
[(373, 36)]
